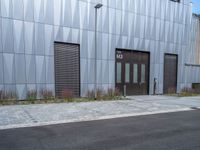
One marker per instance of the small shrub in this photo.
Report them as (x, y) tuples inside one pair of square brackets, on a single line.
[(31, 95), (67, 94), (110, 94), (91, 94), (187, 90), (117, 92), (190, 92), (100, 94), (46, 94)]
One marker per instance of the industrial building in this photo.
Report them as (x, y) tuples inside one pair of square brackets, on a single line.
[(50, 44)]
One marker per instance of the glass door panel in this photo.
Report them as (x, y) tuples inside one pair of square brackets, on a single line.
[(119, 72), (127, 72), (135, 73), (143, 73)]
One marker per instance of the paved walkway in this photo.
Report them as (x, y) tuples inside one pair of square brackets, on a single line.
[(46, 114)]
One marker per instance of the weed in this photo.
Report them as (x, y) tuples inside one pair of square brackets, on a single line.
[(46, 94), (31, 95)]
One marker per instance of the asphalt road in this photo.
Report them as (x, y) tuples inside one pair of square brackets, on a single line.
[(173, 131)]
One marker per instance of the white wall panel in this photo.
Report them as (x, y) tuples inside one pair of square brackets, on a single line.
[(49, 11), (58, 12), (75, 14), (30, 69), (83, 6), (39, 11), (7, 35), (67, 35), (84, 43), (58, 33), (84, 71), (9, 68), (39, 39), (1, 46), (6, 8), (40, 70), (49, 70), (91, 68), (21, 91), (67, 13), (105, 46), (49, 40), (28, 10), (112, 21), (29, 37), (105, 72), (112, 72), (18, 30), (1, 69), (18, 9), (20, 69), (105, 19), (91, 17), (91, 45), (99, 71)]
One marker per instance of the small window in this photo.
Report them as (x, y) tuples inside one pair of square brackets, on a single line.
[(119, 72), (127, 73), (135, 73)]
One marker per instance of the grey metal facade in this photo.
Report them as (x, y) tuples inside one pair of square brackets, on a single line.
[(192, 69), (28, 29)]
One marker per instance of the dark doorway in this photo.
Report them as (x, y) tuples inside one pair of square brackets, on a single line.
[(170, 73), (132, 71), (67, 70)]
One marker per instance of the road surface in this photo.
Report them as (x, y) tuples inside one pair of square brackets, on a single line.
[(172, 131)]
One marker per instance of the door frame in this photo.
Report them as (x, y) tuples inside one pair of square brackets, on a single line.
[(149, 62), (177, 58), (78, 63)]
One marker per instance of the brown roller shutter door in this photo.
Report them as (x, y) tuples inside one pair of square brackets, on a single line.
[(170, 73), (67, 69)]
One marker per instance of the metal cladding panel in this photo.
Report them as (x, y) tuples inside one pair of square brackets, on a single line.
[(67, 69)]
